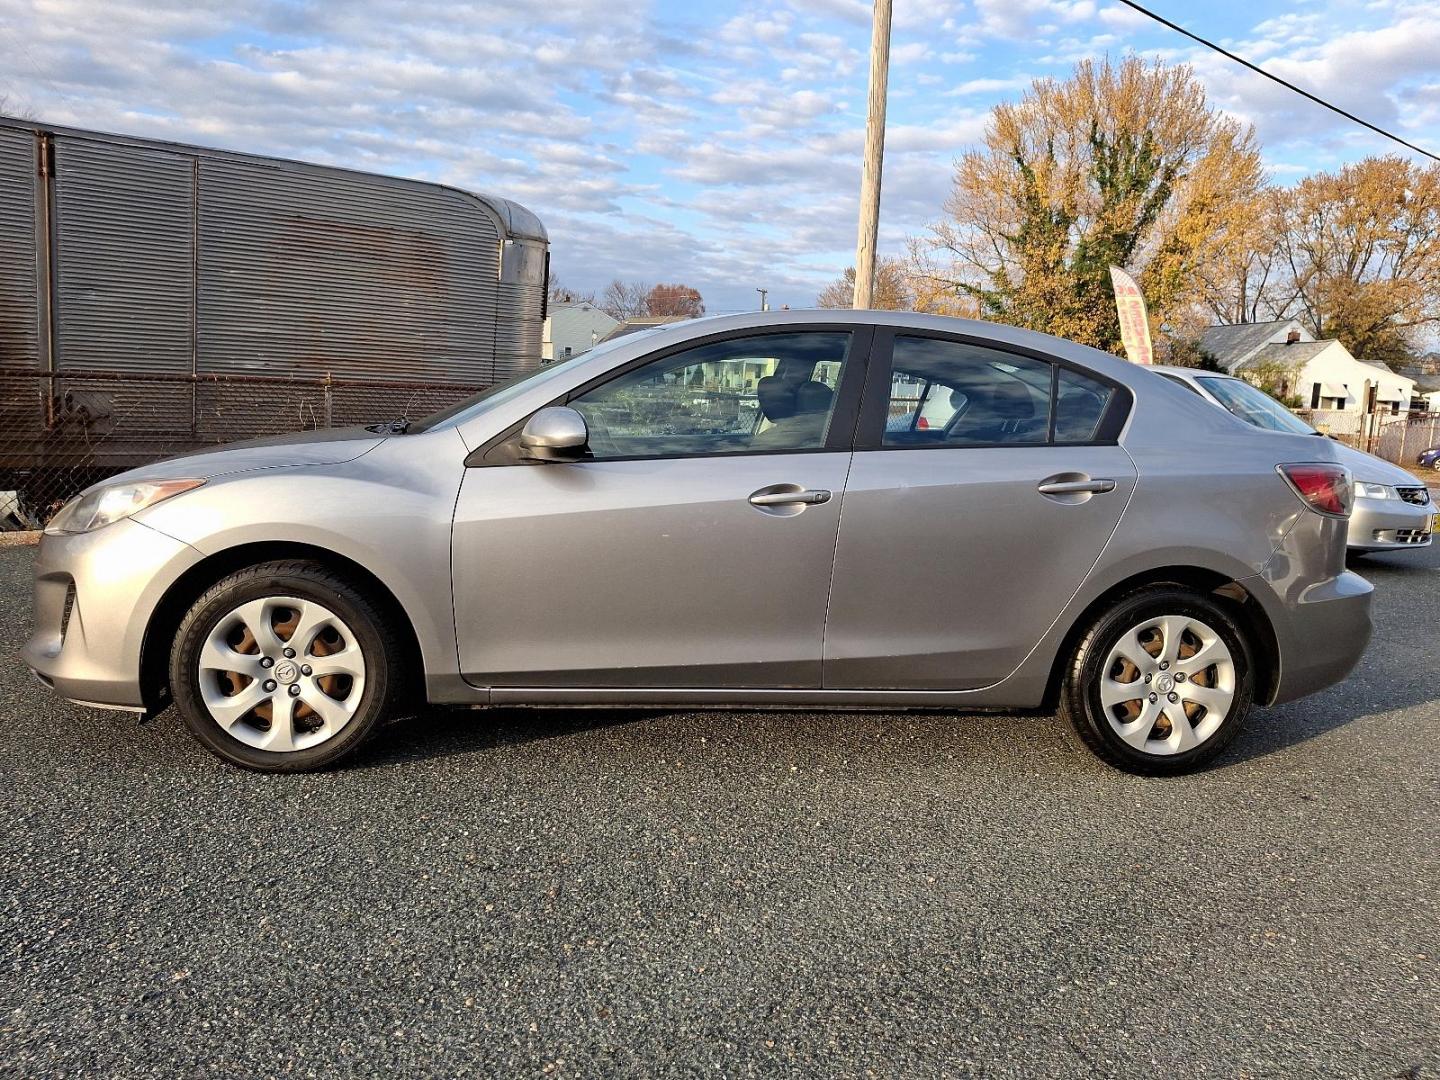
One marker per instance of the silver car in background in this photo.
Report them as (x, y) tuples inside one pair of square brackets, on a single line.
[(1393, 509), (795, 509)]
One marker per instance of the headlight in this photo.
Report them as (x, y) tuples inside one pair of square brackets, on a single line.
[(1374, 491), (114, 502)]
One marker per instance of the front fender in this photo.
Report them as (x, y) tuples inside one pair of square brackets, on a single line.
[(389, 512)]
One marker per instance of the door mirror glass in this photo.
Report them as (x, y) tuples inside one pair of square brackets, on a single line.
[(556, 433)]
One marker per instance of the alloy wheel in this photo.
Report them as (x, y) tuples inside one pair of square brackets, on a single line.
[(281, 674), (1168, 684)]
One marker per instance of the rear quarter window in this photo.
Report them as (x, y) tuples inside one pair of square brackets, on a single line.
[(1080, 405)]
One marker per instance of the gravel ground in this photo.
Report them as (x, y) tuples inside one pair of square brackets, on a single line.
[(572, 893)]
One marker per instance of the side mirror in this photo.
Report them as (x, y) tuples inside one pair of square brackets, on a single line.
[(554, 434)]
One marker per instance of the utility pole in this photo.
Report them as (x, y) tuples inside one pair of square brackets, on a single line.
[(874, 157), (764, 304)]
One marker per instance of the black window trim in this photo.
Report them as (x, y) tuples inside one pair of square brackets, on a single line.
[(875, 400), (502, 449)]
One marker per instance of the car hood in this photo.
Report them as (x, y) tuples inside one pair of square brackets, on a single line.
[(329, 447), (1373, 470)]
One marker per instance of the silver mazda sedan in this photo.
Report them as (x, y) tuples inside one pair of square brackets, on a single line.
[(819, 509)]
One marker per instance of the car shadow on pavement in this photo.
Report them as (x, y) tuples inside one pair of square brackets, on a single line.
[(435, 732), (1387, 678)]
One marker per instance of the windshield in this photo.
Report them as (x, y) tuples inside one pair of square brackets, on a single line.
[(505, 390), (1254, 406)]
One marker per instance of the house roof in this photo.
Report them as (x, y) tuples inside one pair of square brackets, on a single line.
[(1294, 354), (1229, 343), (645, 322)]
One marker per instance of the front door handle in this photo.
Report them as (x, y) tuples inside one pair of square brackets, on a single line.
[(787, 498), (1076, 487)]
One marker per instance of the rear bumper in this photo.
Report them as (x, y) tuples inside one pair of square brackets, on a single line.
[(1386, 524), (1318, 610), (1328, 628), (94, 595)]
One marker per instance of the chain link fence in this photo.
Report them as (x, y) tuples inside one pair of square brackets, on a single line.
[(62, 431), (1399, 437)]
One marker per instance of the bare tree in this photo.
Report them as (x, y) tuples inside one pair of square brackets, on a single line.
[(561, 294), (892, 290), (11, 106), (625, 299), (905, 283)]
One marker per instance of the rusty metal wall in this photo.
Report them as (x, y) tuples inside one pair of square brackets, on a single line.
[(307, 272), (19, 283), (124, 258)]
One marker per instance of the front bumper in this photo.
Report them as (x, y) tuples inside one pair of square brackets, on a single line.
[(1391, 524), (94, 595)]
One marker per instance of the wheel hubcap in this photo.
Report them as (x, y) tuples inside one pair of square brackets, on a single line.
[(281, 674), (1168, 685)]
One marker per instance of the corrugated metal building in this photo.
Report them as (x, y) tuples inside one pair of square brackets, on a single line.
[(159, 292)]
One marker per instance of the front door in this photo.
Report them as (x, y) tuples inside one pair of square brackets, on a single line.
[(692, 549), (985, 485)]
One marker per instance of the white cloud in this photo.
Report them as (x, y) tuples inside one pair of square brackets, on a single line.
[(717, 144)]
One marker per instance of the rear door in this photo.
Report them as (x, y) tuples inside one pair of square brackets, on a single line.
[(983, 488)]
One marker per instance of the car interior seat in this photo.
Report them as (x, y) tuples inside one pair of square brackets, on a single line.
[(797, 413)]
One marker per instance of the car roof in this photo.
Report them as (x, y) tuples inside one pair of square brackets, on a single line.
[(998, 333)]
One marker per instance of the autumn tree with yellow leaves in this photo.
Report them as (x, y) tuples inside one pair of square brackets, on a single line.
[(1361, 250), (1123, 164)]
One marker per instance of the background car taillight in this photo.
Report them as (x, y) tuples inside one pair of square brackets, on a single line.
[(1321, 486)]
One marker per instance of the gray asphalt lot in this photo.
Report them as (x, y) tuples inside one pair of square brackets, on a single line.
[(571, 893)]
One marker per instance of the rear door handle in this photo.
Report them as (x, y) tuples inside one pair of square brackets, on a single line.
[(787, 498), (1076, 487)]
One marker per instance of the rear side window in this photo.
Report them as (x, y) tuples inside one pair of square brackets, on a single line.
[(959, 394), (954, 393)]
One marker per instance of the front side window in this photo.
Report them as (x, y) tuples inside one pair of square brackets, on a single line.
[(771, 392), (956, 394)]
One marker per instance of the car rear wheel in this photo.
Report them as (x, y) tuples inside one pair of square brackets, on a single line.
[(1161, 682), (284, 667)]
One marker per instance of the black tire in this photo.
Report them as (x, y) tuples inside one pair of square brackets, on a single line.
[(378, 639), (1080, 692)]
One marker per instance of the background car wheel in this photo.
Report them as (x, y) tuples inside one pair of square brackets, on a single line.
[(1161, 682), (284, 667)]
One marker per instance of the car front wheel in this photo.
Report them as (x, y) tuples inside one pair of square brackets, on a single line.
[(1161, 682), (284, 667)]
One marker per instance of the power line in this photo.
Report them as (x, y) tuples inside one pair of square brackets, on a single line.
[(1276, 78)]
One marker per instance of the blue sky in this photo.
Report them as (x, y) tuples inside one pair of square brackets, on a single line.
[(716, 143)]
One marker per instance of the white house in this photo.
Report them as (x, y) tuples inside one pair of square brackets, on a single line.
[(1322, 374), (571, 329)]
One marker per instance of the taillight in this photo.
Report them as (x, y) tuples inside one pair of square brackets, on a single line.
[(1321, 486)]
